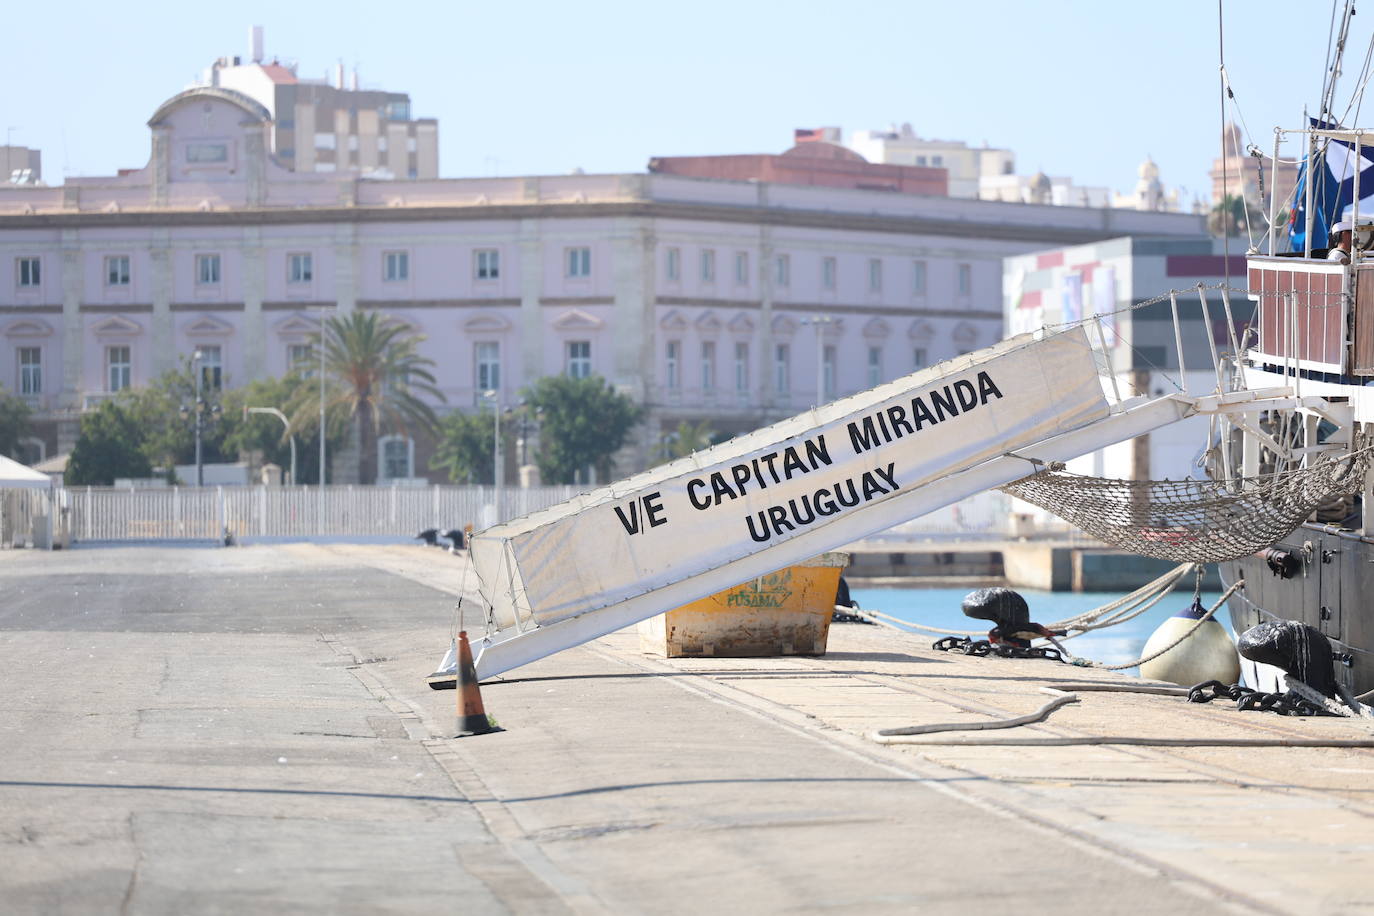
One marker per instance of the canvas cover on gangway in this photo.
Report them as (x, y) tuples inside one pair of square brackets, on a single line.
[(787, 492)]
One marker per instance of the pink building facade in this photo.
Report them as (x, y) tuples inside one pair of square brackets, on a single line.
[(732, 302)]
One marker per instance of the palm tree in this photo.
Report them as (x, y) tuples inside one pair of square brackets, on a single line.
[(374, 377)]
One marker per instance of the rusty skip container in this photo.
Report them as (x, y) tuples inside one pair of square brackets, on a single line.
[(783, 613)]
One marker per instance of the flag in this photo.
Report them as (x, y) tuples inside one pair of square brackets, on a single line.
[(1333, 188)]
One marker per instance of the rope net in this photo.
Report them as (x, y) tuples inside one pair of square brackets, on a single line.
[(1194, 521)]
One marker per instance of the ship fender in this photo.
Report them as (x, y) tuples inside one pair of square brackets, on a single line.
[(1207, 655)]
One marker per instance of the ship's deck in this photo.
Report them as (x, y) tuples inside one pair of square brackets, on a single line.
[(244, 729)]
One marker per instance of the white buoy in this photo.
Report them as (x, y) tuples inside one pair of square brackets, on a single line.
[(1207, 655)]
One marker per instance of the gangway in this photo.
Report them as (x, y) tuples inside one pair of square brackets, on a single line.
[(827, 477)]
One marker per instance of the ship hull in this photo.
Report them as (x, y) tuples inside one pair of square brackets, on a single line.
[(1333, 591)]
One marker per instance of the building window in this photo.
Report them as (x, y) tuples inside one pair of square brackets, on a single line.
[(784, 270), (875, 366), (487, 263), (396, 455), (875, 275), (828, 372), (117, 270), (965, 279), (741, 368), (207, 152), (207, 270), (674, 267), (920, 160), (579, 262), (828, 273), (742, 268), (919, 360), (30, 370), (301, 358), (708, 365), (918, 277), (487, 357), (708, 266), (395, 266), (324, 141), (300, 267), (579, 358), (28, 272), (118, 365), (211, 366), (782, 368), (672, 360), (937, 161)]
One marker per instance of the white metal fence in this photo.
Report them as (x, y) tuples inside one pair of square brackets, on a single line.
[(179, 513), (212, 513)]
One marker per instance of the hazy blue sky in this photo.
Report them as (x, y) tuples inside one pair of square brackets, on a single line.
[(1084, 89)]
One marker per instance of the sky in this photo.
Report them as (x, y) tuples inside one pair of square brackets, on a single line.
[(1078, 89)]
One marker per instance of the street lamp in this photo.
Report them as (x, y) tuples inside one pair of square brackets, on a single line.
[(198, 414), (280, 416), (499, 476)]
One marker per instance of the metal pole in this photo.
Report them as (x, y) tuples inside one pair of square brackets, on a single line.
[(200, 413), (322, 437), (498, 470), (1211, 338), (286, 420), (1307, 233), (1274, 190), (1178, 343)]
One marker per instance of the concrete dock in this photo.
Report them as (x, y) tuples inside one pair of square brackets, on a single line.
[(247, 730)]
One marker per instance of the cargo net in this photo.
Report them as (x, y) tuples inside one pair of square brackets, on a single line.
[(1198, 521)]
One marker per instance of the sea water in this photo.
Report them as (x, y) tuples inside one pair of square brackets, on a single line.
[(940, 607)]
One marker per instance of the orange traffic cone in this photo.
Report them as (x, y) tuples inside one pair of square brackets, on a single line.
[(472, 718)]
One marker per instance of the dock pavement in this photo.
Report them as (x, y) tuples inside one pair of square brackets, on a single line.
[(248, 730)]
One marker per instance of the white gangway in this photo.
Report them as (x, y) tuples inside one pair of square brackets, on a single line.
[(822, 479)]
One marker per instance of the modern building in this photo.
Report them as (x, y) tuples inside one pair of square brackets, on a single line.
[(967, 166), (318, 125), (20, 165), (1108, 280), (733, 302)]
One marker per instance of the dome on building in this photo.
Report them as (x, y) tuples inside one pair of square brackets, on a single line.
[(1148, 171)]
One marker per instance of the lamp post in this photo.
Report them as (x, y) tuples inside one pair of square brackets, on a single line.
[(498, 469), (197, 413), (200, 414), (280, 416)]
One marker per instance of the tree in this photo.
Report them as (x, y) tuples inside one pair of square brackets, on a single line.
[(1229, 217), (585, 423), (111, 445), (14, 423), (373, 376), (686, 439), (465, 447)]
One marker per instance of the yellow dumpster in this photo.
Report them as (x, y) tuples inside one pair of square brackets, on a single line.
[(782, 613)]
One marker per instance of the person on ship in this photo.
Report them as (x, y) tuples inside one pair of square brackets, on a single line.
[(1340, 237)]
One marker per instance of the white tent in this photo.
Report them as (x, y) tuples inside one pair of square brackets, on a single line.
[(14, 475)]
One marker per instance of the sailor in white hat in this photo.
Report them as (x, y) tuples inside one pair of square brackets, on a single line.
[(1340, 242)]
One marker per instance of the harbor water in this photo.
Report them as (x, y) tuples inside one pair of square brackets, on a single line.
[(940, 607)]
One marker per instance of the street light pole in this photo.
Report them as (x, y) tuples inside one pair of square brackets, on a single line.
[(199, 418), (499, 471), (280, 416)]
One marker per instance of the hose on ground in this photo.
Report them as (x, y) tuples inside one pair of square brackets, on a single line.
[(929, 734)]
